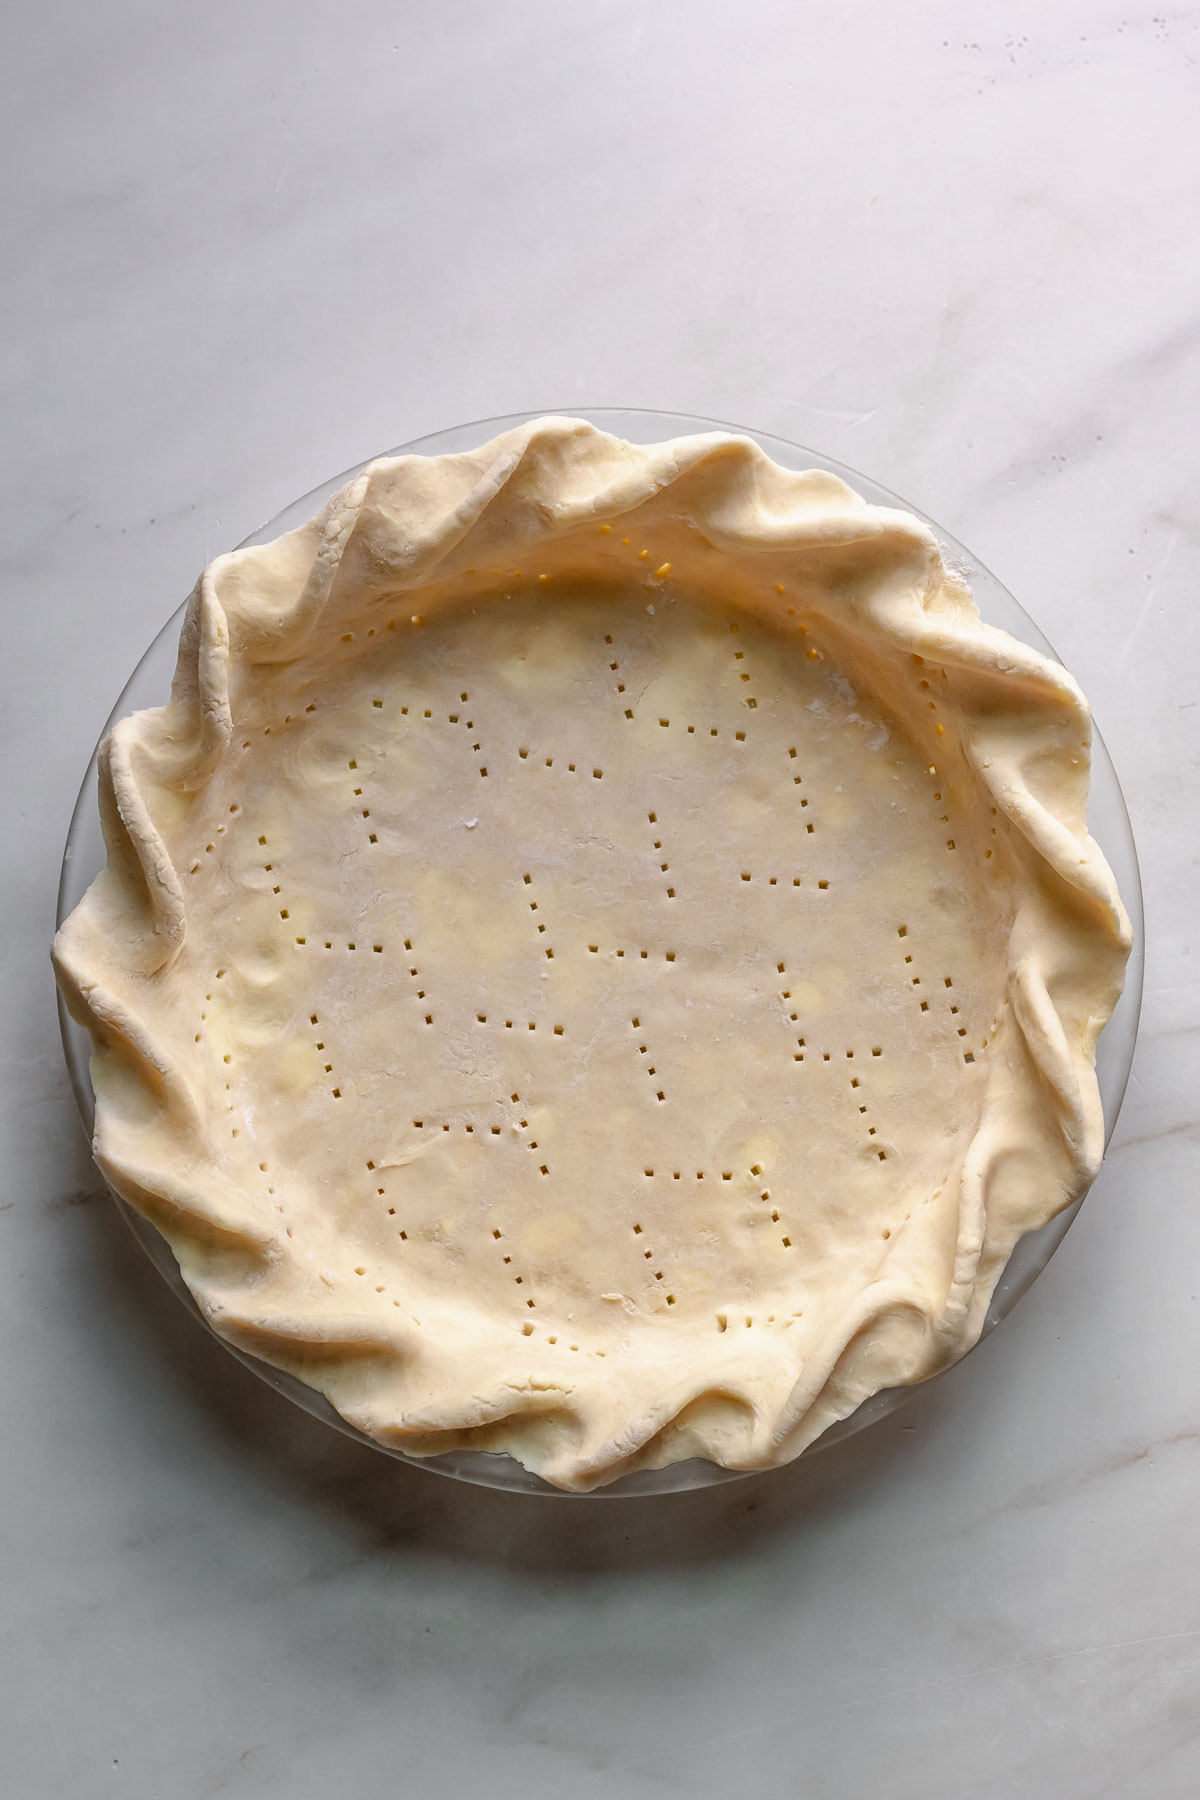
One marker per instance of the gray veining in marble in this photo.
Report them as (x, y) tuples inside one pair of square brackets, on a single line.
[(954, 245)]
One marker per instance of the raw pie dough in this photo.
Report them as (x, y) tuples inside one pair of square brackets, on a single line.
[(601, 957)]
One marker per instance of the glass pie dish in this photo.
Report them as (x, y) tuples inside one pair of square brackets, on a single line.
[(1108, 821)]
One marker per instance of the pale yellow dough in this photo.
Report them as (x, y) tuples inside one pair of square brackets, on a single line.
[(601, 957)]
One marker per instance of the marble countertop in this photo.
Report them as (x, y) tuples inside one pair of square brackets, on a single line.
[(952, 245)]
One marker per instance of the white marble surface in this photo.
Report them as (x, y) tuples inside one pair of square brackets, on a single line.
[(954, 245)]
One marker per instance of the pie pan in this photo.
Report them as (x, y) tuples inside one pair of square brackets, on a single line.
[(1108, 823)]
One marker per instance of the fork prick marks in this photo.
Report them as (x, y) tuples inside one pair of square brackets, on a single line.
[(541, 928), (649, 1066), (664, 867)]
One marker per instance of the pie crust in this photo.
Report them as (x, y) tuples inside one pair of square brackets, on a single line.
[(601, 956)]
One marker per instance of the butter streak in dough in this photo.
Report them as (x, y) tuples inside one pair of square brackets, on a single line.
[(601, 956)]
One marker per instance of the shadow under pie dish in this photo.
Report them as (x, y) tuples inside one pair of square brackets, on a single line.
[(601, 958)]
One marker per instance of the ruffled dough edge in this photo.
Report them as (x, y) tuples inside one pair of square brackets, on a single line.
[(402, 523)]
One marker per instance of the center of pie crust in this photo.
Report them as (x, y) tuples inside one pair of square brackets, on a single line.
[(566, 956)]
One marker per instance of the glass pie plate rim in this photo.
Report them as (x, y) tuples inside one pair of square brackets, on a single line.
[(149, 685)]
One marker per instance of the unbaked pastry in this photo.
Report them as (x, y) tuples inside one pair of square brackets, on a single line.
[(601, 956)]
